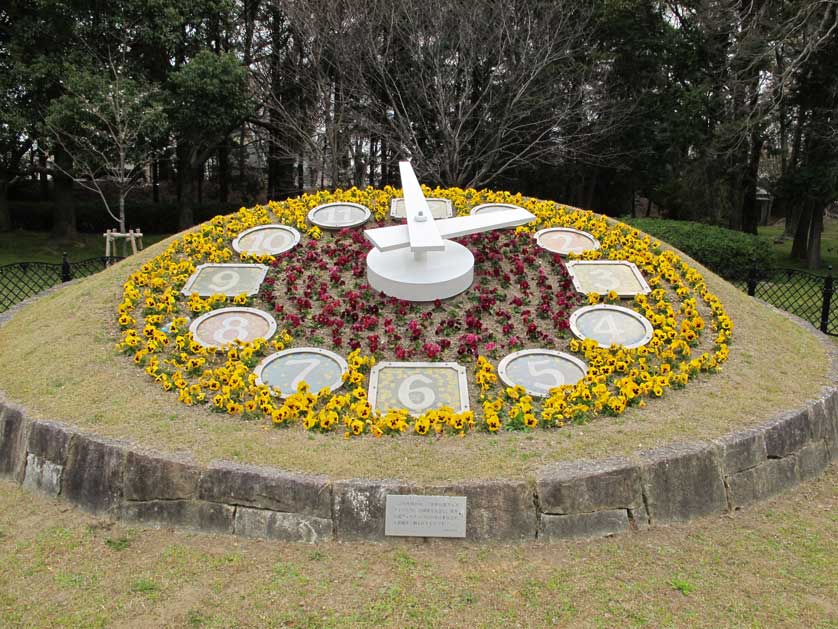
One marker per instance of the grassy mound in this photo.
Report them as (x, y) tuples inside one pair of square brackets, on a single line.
[(62, 365)]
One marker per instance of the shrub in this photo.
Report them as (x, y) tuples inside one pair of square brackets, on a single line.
[(728, 253)]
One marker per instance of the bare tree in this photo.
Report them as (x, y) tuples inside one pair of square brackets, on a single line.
[(467, 90), (108, 123)]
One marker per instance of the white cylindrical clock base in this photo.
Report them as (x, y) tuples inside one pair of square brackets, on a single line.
[(434, 275)]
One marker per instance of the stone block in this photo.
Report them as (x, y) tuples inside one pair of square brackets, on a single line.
[(209, 517), (497, 510), (639, 519), (287, 527), (763, 481), (823, 422), (586, 486), (359, 507), (597, 524), (787, 434), (155, 477), (812, 460), (501, 510), (683, 482), (42, 475), (742, 450), (830, 401), (50, 441), (264, 488), (766, 480), (14, 429), (93, 473)]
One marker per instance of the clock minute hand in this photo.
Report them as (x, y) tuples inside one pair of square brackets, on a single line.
[(423, 234)]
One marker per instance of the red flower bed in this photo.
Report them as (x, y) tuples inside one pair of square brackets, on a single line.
[(521, 297)]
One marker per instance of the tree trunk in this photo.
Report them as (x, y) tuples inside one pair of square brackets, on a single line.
[(792, 213), (122, 213), (373, 149), (186, 217), (224, 171), (43, 178), (185, 188), (64, 215), (5, 215), (155, 180), (791, 210), (385, 162), (799, 249), (813, 252), (300, 174), (182, 168), (750, 208), (273, 167)]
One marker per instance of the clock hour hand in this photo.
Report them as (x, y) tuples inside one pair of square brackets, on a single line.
[(397, 237)]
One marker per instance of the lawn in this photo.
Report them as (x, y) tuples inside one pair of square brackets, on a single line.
[(19, 282), (772, 565), (28, 246), (829, 246)]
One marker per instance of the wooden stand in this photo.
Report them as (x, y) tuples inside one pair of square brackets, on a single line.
[(134, 236)]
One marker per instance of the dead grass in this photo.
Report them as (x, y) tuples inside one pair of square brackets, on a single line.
[(772, 565), (61, 364)]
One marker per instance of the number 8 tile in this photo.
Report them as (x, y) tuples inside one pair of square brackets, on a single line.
[(222, 327)]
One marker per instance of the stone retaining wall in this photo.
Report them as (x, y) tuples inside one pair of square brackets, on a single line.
[(565, 500)]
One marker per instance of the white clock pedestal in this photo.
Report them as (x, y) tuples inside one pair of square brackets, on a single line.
[(402, 274)]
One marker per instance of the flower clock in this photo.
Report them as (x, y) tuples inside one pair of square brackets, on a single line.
[(268, 314)]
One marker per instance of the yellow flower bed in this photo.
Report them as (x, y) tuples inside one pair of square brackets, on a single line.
[(153, 316)]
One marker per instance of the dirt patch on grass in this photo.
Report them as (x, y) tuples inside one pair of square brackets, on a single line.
[(61, 364)]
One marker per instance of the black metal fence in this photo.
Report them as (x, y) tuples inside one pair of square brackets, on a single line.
[(24, 279), (805, 294)]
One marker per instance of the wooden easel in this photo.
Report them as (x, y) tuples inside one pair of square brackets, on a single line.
[(134, 236)]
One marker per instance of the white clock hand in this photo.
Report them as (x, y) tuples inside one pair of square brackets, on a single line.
[(422, 233)]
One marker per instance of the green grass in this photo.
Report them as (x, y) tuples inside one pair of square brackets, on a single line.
[(29, 246), (119, 543), (24, 246), (145, 586), (829, 246), (771, 565), (801, 294)]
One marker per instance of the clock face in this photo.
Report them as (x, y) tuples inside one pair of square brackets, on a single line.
[(314, 366), (226, 279), (605, 276), (440, 208), (540, 370), (339, 215), (564, 240), (228, 325), (611, 325), (267, 240), (513, 326), (418, 387), (491, 208)]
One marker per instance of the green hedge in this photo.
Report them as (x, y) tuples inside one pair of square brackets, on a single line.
[(728, 253)]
